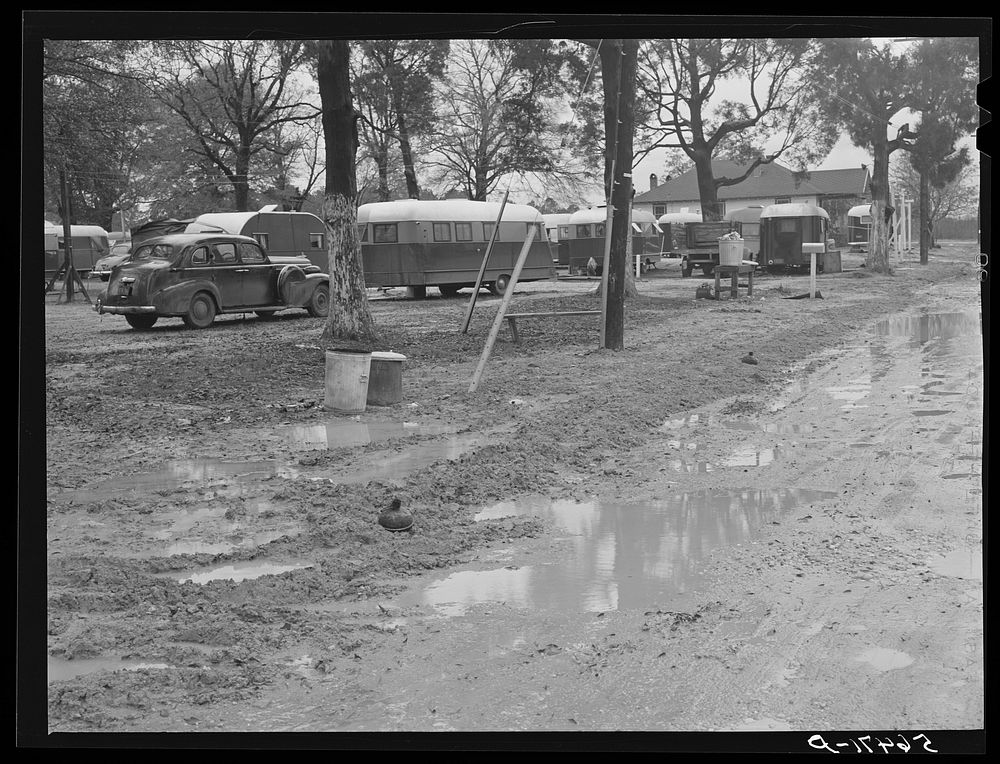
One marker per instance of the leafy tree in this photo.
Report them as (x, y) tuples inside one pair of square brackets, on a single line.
[(945, 94), (349, 317), (93, 126), (233, 96), (871, 85), (679, 107)]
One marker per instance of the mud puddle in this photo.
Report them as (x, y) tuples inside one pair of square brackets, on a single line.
[(884, 659), (62, 669), (345, 434), (237, 571), (962, 563), (223, 479), (618, 555)]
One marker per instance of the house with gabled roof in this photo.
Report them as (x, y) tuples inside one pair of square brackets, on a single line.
[(836, 191)]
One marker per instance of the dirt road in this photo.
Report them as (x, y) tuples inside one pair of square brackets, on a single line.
[(664, 538)]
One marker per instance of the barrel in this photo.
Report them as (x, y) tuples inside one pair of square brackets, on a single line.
[(385, 386), (347, 374)]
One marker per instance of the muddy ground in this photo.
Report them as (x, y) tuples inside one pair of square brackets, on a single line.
[(663, 538)]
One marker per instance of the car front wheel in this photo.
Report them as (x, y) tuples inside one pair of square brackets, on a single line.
[(319, 303), (201, 311)]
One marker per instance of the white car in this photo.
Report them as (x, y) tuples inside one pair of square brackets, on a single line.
[(119, 253)]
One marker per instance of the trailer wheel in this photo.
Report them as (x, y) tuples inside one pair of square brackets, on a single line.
[(499, 286), (449, 290), (140, 322), (707, 269), (264, 315)]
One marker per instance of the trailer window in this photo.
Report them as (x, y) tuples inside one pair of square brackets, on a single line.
[(787, 225), (384, 233), (250, 253), (599, 230), (563, 232), (316, 239), (582, 231), (442, 231), (488, 230), (262, 239), (363, 233), (463, 231)]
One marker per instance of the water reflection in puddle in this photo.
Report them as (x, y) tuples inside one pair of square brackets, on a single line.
[(237, 479), (239, 571), (710, 420), (962, 563), (61, 669), (345, 434), (622, 555), (884, 659)]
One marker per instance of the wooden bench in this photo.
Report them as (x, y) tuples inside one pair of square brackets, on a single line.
[(512, 318), (734, 272)]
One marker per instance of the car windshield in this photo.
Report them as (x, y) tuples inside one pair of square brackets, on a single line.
[(154, 252)]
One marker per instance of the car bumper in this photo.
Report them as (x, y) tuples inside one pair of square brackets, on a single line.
[(122, 310)]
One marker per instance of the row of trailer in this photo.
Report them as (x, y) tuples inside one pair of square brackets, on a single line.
[(441, 243)]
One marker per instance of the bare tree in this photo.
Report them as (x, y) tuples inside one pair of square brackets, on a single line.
[(499, 114), (232, 95)]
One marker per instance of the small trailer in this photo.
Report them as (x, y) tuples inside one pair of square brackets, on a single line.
[(859, 227), (88, 242), (585, 232), (282, 234), (784, 228)]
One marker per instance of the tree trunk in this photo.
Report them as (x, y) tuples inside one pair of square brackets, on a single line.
[(708, 192), (241, 185), (878, 247), (412, 187), (618, 70), (926, 226), (382, 162), (349, 317)]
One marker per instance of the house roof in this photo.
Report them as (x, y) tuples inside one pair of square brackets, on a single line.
[(766, 180)]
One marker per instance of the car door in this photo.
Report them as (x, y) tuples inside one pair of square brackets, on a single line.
[(259, 281), (227, 274)]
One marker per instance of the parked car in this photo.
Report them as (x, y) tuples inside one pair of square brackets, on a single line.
[(118, 254), (197, 276)]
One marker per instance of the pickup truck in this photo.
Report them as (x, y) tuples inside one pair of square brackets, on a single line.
[(701, 245)]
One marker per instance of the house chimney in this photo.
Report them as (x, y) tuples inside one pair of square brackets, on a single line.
[(653, 182)]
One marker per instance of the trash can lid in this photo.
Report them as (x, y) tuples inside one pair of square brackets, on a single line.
[(387, 356)]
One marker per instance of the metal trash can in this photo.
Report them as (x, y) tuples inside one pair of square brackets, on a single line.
[(347, 376), (385, 383), (730, 251)]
